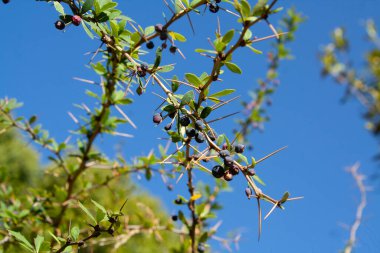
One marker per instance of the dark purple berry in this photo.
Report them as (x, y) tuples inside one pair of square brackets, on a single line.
[(6, 1), (174, 217), (144, 67), (170, 187), (76, 20), (173, 49), (178, 201), (201, 248), (217, 171), (163, 36), (168, 127), (225, 146), (211, 134), (239, 148), (150, 45), (60, 25), (234, 169), (184, 120), (164, 45), (157, 118), (218, 1), (172, 115), (228, 176), (223, 153), (158, 28), (199, 124), (214, 8), (248, 192), (190, 132), (199, 137), (228, 161)]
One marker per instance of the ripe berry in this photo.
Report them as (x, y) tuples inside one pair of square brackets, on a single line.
[(239, 148), (158, 28), (6, 1), (178, 201), (234, 170), (225, 146), (173, 49), (223, 153), (172, 114), (164, 45), (168, 127), (163, 36), (248, 192), (190, 132), (184, 120), (157, 118), (228, 161), (150, 45), (170, 187), (199, 137), (214, 8), (174, 217), (201, 248), (211, 134), (76, 20), (228, 176), (60, 25), (217, 171), (141, 72), (199, 124), (144, 67)]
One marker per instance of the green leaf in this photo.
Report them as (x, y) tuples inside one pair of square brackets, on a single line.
[(19, 237), (222, 93), (193, 79), (205, 112), (38, 242), (284, 197), (88, 32), (87, 212), (228, 36), (256, 51), (87, 6), (74, 233), (108, 6), (177, 36), (256, 177), (149, 30), (201, 50), (157, 61), (233, 67), (59, 8), (186, 99), (243, 158), (99, 206)]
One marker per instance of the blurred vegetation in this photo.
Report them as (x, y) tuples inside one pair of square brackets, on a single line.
[(23, 207)]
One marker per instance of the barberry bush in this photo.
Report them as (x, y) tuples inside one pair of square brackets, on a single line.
[(86, 200)]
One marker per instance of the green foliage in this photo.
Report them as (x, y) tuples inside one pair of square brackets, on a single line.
[(364, 85), (80, 200)]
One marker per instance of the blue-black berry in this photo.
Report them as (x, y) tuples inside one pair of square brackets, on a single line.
[(234, 169), (228, 161), (158, 28), (217, 171), (239, 148), (150, 45), (168, 127), (199, 137), (163, 36), (199, 124), (6, 1), (190, 132), (223, 153), (60, 25), (173, 49), (201, 248), (248, 192), (184, 120), (214, 8)]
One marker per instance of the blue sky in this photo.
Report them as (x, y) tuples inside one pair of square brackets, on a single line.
[(324, 136)]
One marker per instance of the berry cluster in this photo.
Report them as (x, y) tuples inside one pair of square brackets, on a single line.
[(230, 168), (75, 20), (163, 35)]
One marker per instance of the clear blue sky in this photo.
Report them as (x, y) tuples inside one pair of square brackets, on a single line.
[(324, 136)]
